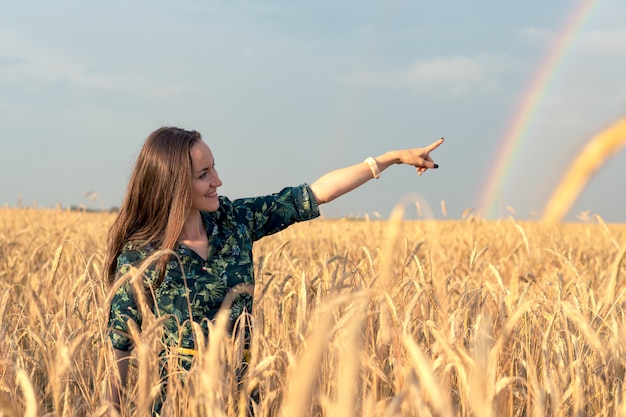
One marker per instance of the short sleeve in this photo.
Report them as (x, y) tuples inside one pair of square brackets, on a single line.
[(273, 213), (305, 203)]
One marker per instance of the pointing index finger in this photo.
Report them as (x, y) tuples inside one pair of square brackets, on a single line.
[(434, 145)]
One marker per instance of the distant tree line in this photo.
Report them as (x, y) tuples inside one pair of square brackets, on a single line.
[(85, 209)]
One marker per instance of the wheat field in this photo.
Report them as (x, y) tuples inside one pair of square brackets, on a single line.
[(352, 318)]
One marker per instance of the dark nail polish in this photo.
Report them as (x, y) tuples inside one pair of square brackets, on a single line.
[(436, 166)]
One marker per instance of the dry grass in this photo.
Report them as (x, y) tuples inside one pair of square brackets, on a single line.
[(353, 318), (590, 159)]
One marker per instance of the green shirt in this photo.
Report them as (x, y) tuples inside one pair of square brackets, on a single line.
[(198, 295)]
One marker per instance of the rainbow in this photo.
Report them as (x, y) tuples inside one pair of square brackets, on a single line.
[(528, 107)]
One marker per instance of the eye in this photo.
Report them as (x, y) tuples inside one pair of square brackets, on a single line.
[(202, 176)]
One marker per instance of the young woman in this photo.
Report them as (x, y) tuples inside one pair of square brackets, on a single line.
[(172, 204)]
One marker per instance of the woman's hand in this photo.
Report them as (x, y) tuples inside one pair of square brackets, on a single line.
[(419, 157)]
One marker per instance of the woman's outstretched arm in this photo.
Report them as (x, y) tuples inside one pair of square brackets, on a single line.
[(341, 181)]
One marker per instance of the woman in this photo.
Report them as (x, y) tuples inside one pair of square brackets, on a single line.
[(172, 204)]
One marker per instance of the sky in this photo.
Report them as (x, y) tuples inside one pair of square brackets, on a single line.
[(284, 92)]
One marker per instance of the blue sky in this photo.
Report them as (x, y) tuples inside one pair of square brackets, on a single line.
[(285, 91)]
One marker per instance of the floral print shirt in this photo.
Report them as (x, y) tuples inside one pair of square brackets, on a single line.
[(198, 294)]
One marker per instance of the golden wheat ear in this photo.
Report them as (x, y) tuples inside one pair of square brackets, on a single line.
[(587, 163)]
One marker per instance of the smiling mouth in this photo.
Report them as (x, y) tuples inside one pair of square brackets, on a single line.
[(211, 195)]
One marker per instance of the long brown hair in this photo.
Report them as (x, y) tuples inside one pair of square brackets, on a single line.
[(158, 198)]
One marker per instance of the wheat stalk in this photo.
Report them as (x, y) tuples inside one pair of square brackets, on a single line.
[(587, 163)]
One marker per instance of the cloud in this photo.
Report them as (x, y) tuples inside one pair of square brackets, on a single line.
[(31, 63), (605, 42), (534, 33), (26, 62), (454, 75)]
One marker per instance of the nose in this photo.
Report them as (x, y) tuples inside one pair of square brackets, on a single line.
[(216, 181)]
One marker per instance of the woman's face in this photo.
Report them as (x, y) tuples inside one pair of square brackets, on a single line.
[(204, 178)]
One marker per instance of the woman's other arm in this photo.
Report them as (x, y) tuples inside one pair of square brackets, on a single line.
[(116, 385)]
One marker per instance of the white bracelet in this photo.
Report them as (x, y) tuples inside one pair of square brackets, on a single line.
[(373, 166)]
